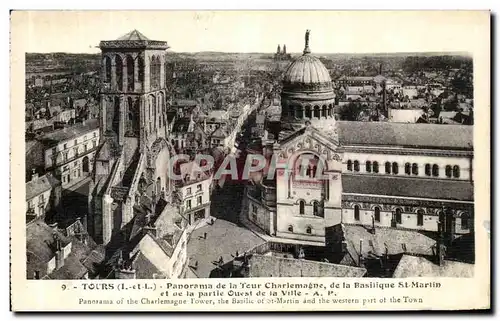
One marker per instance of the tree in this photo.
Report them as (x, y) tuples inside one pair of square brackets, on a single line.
[(351, 111)]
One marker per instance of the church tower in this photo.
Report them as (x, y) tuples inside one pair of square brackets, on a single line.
[(134, 153), (133, 99)]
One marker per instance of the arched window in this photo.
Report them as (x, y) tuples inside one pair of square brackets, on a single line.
[(428, 169), (290, 228), (302, 206), (447, 171), (387, 167), (368, 166), (398, 216), (456, 171), (435, 170), (395, 168), (119, 72), (377, 214), (315, 208), (356, 212), (323, 111), (375, 167), (414, 169), (316, 111), (407, 169), (356, 166), (130, 73), (308, 112), (309, 230), (349, 165), (291, 110), (420, 217), (464, 221), (107, 69)]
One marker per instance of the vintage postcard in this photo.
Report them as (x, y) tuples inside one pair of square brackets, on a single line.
[(250, 160)]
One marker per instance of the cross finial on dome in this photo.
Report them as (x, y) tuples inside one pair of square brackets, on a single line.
[(307, 50)]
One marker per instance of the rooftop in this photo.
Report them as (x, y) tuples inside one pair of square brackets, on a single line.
[(133, 39), (223, 239), (273, 266), (396, 241), (414, 266), (133, 36), (406, 135), (71, 132), (40, 240), (408, 187), (41, 184)]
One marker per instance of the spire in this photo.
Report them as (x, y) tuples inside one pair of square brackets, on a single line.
[(284, 49), (279, 50), (307, 50)]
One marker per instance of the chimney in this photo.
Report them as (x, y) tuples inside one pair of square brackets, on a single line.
[(125, 273), (59, 254), (34, 175), (360, 252)]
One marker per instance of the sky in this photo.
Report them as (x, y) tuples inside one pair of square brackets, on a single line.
[(253, 31)]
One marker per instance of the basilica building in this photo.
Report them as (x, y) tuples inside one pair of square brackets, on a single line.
[(376, 175)]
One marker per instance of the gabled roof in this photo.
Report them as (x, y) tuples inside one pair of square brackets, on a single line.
[(133, 35), (41, 184)]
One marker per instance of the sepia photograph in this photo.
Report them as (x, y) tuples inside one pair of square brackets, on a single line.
[(151, 155)]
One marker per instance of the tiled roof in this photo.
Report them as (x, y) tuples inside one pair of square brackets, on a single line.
[(273, 266), (223, 239), (143, 267), (405, 135), (39, 240), (408, 187), (396, 241), (70, 132), (41, 184), (133, 35), (414, 266)]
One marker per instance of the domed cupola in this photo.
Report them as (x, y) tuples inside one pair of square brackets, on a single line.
[(307, 94)]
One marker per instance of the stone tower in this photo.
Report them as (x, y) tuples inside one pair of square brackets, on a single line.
[(133, 154)]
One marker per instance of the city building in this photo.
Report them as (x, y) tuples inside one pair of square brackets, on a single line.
[(378, 175), (69, 152), (43, 196), (282, 54), (193, 192)]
